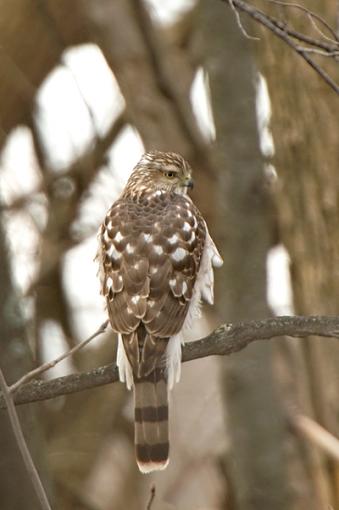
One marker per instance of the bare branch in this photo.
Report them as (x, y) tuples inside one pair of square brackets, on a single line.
[(318, 69), (36, 391), (316, 51), (312, 20), (312, 16), (151, 497), (50, 364), (275, 25), (21, 442), (239, 22), (288, 35), (225, 340)]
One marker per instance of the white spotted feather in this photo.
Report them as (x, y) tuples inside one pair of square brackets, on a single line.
[(203, 290)]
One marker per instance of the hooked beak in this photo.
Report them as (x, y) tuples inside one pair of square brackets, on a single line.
[(189, 183)]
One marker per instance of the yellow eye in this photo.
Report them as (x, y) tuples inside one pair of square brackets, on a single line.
[(170, 175)]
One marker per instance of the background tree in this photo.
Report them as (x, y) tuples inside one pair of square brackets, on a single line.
[(304, 122), (259, 457)]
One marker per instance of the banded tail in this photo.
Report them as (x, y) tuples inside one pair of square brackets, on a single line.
[(151, 421)]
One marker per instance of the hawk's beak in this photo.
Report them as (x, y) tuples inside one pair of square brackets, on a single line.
[(189, 183)]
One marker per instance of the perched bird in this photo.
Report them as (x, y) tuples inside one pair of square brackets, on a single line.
[(156, 258)]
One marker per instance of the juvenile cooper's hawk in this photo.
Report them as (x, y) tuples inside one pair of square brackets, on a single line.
[(156, 259)]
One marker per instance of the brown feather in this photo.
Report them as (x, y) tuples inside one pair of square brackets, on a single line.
[(154, 266), (151, 244)]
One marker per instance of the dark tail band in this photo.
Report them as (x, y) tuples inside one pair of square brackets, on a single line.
[(151, 421)]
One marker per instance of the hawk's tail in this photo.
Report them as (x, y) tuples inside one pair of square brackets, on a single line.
[(151, 421)]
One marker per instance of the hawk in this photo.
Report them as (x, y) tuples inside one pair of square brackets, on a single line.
[(156, 262)]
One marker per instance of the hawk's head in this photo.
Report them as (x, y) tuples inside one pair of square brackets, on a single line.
[(157, 170)]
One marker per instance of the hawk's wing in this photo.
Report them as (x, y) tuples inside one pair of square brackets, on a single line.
[(150, 253)]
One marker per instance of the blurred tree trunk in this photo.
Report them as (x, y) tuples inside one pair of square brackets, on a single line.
[(305, 130), (255, 463), (158, 105), (26, 60), (156, 85), (16, 490)]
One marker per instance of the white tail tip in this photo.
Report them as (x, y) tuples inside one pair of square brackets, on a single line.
[(149, 467)]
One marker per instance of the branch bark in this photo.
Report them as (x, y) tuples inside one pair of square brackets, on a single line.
[(225, 340), (288, 35)]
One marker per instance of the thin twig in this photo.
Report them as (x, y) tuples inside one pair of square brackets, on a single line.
[(81, 94), (22, 445), (315, 26), (312, 15), (316, 434), (50, 364), (318, 69), (327, 46), (273, 23), (239, 23), (316, 51), (286, 34), (151, 497), (225, 340)]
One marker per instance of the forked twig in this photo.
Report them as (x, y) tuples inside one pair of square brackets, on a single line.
[(289, 35), (311, 15), (315, 26), (239, 23), (50, 364)]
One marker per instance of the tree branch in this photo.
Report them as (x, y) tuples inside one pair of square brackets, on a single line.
[(81, 170), (225, 340), (288, 35), (312, 16), (50, 364), (316, 434)]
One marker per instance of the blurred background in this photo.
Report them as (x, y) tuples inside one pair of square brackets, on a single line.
[(85, 88)]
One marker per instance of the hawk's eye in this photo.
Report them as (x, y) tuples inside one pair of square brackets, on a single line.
[(170, 175)]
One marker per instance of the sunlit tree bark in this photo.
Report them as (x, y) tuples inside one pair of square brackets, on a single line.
[(305, 130)]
